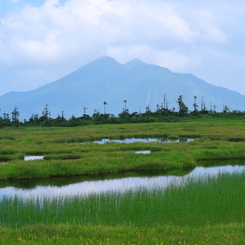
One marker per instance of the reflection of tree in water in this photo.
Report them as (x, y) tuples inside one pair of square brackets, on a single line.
[(69, 180), (183, 140)]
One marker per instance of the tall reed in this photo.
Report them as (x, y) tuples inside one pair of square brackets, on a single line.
[(194, 203)]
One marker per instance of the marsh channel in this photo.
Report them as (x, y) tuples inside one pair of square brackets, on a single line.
[(86, 185)]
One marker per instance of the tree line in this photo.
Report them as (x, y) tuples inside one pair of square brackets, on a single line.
[(161, 114)]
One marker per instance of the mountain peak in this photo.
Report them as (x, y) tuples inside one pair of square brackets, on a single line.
[(107, 80), (104, 62), (105, 59), (134, 63)]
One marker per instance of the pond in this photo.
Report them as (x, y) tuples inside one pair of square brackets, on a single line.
[(142, 140), (28, 158), (59, 187), (126, 141)]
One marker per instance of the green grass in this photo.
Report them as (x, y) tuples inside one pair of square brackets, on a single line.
[(120, 235), (64, 155), (195, 203), (94, 163), (201, 212), (206, 211)]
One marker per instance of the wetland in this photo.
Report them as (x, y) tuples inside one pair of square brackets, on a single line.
[(182, 193), (84, 185)]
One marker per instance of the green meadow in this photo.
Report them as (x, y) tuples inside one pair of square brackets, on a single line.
[(209, 211), (66, 152)]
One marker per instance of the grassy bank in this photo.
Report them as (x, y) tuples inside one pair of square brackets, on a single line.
[(67, 234), (66, 152)]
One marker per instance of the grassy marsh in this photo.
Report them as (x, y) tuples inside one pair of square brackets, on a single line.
[(192, 203), (206, 211), (65, 155), (209, 212)]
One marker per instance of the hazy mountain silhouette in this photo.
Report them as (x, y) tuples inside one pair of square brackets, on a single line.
[(107, 80)]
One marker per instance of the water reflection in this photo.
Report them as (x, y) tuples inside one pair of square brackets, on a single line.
[(143, 152), (28, 158), (118, 184), (147, 140)]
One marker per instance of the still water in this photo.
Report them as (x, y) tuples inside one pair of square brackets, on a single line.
[(147, 140), (125, 141), (85, 187)]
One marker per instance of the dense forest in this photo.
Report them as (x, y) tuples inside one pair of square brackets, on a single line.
[(161, 114)]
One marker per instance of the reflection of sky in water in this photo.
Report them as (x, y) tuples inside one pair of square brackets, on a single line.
[(133, 140), (27, 158), (119, 185)]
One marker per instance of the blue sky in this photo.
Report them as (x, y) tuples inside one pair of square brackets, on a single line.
[(43, 40)]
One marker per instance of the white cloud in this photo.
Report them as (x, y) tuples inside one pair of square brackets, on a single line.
[(52, 32), (64, 37), (172, 59)]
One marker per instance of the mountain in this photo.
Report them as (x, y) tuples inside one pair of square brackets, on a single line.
[(107, 80)]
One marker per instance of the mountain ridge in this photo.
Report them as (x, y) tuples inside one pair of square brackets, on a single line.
[(105, 79)]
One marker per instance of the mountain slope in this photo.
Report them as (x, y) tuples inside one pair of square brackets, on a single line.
[(106, 80)]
